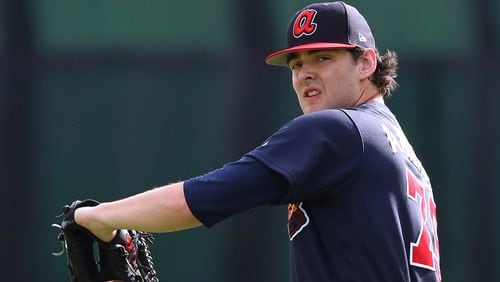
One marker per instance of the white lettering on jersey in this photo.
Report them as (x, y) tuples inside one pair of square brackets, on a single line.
[(399, 143)]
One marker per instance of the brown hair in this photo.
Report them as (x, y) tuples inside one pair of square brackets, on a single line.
[(384, 77)]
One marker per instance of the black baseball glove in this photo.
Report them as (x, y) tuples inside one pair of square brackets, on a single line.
[(126, 258)]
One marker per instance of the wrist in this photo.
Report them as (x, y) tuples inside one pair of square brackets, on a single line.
[(81, 216), (84, 217)]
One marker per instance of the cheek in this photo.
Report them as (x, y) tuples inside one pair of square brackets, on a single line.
[(295, 84), (341, 81)]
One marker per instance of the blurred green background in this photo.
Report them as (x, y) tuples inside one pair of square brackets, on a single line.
[(104, 99)]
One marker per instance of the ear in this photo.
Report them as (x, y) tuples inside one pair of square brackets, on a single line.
[(367, 64)]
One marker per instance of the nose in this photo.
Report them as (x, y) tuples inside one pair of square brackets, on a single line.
[(306, 72)]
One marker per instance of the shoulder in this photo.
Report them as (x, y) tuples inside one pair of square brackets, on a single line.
[(323, 115), (323, 126), (369, 112), (325, 119)]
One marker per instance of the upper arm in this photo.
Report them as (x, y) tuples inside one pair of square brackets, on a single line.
[(315, 153)]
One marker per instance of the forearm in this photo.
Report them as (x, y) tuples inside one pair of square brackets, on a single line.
[(162, 209)]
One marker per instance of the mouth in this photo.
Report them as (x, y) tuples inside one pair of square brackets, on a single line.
[(311, 92)]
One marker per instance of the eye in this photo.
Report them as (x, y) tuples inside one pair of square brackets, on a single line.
[(294, 65), (322, 58)]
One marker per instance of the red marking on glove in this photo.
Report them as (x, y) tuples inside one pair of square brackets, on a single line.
[(129, 245)]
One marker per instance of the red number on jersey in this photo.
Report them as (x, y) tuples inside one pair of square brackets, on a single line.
[(425, 251)]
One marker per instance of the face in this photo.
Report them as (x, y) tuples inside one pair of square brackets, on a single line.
[(325, 79)]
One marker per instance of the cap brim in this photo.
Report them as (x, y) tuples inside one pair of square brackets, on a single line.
[(279, 58)]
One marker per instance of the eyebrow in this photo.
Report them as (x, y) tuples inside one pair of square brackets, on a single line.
[(295, 55)]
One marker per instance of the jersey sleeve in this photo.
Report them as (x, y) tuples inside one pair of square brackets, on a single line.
[(236, 187), (317, 153)]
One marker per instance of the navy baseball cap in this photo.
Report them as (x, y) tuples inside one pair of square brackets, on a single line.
[(319, 26)]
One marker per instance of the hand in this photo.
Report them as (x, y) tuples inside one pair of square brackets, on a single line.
[(84, 217)]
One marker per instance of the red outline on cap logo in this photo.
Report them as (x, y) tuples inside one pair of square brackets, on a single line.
[(304, 23)]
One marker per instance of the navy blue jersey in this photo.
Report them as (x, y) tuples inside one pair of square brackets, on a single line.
[(360, 204)]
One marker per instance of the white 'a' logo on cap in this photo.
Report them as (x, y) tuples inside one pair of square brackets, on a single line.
[(361, 37), (304, 23)]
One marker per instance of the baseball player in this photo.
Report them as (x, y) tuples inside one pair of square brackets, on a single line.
[(360, 203)]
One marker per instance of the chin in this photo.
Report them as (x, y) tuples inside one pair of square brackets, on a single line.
[(308, 111), (313, 109)]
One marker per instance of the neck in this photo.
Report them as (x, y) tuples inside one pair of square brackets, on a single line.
[(369, 93)]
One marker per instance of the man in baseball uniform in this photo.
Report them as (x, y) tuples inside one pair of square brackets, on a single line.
[(360, 203)]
